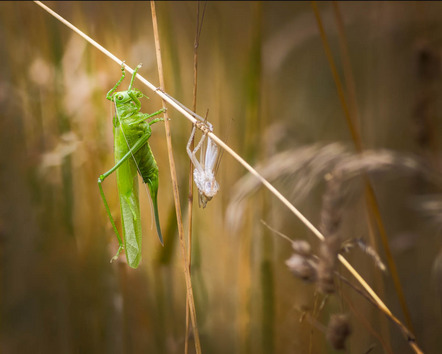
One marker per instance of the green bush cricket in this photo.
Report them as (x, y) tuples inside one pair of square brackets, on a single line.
[(132, 155)]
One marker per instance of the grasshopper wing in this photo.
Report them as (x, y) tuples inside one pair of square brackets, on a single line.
[(127, 181)]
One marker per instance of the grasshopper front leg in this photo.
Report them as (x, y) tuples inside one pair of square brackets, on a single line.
[(147, 116), (113, 89)]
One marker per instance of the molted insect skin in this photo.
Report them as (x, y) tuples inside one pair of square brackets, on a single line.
[(207, 186), (206, 183), (203, 173)]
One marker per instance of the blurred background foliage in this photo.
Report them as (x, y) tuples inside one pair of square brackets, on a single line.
[(266, 81)]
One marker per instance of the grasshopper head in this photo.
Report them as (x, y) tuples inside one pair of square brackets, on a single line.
[(121, 97), (126, 103)]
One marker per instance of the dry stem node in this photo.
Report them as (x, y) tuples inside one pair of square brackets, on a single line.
[(331, 216)]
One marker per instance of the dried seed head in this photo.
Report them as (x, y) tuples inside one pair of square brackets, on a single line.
[(302, 248), (302, 267), (338, 330), (350, 244), (328, 253), (326, 282), (370, 251)]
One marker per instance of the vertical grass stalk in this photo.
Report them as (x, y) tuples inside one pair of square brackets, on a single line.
[(189, 290), (192, 143)]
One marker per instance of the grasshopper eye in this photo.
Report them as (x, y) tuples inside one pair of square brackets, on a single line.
[(119, 97)]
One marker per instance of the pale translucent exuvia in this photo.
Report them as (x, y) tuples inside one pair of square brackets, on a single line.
[(203, 174)]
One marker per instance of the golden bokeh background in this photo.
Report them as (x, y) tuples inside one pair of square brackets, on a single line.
[(265, 78)]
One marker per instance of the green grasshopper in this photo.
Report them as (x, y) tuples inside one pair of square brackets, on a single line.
[(132, 155)]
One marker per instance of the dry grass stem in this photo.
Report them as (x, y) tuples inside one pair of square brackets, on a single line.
[(405, 331), (366, 324), (192, 144), (189, 291)]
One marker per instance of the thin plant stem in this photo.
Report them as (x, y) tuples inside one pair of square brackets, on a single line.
[(369, 192), (194, 119), (353, 109), (366, 324), (405, 331), (189, 244), (312, 324), (353, 131), (377, 275), (192, 143), (189, 290), (348, 73)]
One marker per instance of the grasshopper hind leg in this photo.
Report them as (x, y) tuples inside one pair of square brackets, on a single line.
[(106, 205)]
